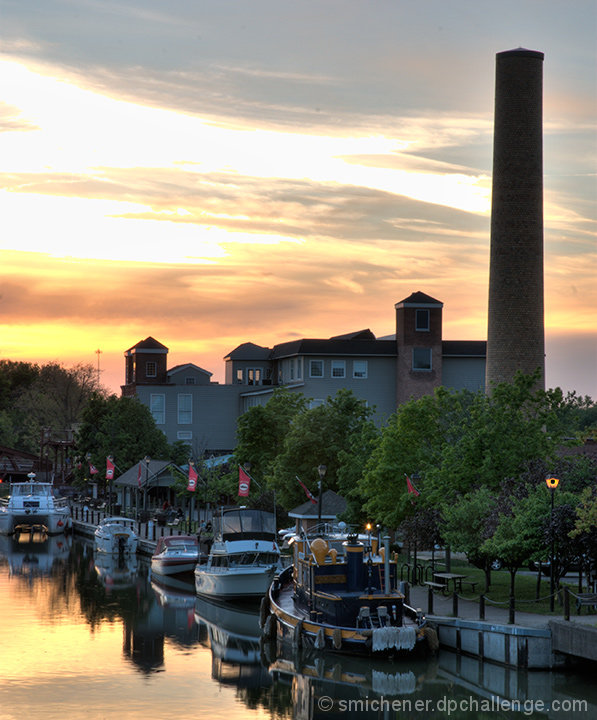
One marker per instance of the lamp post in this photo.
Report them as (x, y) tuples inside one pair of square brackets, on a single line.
[(146, 460), (321, 470), (552, 483)]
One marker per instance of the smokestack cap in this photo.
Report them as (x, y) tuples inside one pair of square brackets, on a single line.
[(521, 52)]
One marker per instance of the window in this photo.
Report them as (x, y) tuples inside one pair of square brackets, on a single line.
[(338, 368), (316, 368), (239, 377), (253, 376), (157, 405), (151, 369), (315, 402), (422, 320), (184, 435), (190, 381), (185, 409), (359, 369), (421, 358)]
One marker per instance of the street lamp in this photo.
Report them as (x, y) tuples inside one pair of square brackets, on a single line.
[(552, 483), (321, 470), (146, 460)]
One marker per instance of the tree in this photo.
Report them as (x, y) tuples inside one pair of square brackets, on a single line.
[(466, 526), (317, 437), (121, 427)]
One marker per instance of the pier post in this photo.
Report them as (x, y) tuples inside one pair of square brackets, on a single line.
[(511, 610), (455, 603), (566, 603), (430, 601), (482, 607)]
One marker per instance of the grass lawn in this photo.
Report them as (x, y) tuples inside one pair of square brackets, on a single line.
[(499, 591)]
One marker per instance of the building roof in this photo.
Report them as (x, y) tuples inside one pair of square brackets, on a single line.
[(156, 472), (148, 344), (188, 366), (464, 348), (334, 346), (358, 335), (249, 351), (419, 298), (332, 505)]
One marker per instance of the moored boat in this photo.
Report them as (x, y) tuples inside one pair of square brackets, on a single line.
[(32, 505), (346, 603), (116, 536), (243, 558), (175, 555)]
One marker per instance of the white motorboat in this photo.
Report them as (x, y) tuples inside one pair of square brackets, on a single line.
[(32, 505), (243, 558), (175, 555), (116, 536)]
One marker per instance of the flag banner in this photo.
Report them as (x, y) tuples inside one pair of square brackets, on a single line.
[(92, 469), (307, 491), (109, 469), (192, 486), (139, 476), (411, 488), (244, 482)]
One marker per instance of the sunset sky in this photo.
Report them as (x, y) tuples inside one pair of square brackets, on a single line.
[(211, 173)]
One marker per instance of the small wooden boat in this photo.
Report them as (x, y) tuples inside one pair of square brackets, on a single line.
[(346, 603), (175, 555)]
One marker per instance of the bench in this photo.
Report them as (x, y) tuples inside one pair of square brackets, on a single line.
[(435, 585), (472, 583), (586, 599)]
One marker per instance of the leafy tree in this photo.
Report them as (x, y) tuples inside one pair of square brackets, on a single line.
[(317, 437), (121, 427), (468, 523)]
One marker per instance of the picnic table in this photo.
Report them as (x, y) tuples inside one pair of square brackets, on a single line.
[(444, 578)]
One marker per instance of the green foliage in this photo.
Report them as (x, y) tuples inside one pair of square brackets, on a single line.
[(316, 437), (352, 464), (467, 524), (121, 427), (33, 397)]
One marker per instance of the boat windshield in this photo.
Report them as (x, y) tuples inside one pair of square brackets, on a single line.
[(243, 524), (22, 489)]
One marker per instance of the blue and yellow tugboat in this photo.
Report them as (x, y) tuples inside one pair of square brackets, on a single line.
[(343, 597)]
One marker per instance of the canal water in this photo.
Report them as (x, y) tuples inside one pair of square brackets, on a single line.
[(84, 637)]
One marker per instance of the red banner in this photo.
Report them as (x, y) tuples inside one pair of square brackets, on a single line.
[(109, 469), (244, 482), (192, 486), (92, 469)]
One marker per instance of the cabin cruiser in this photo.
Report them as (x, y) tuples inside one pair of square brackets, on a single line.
[(32, 505), (175, 554), (243, 558), (116, 536)]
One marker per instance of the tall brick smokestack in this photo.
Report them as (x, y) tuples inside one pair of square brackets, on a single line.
[(515, 333)]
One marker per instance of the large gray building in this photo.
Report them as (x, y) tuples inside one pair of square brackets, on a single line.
[(385, 372)]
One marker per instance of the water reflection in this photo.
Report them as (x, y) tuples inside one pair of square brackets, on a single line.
[(148, 644)]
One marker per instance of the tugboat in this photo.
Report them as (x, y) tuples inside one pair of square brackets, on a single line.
[(343, 600)]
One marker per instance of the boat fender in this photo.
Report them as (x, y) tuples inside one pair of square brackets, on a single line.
[(320, 639), (270, 628), (432, 639), (337, 638), (297, 635), (263, 611)]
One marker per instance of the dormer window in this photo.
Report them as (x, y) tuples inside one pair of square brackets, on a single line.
[(422, 320), (151, 369)]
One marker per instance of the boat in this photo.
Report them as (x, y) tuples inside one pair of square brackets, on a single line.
[(343, 602), (32, 505), (116, 536), (243, 557), (175, 555)]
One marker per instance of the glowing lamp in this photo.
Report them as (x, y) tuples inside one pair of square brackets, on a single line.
[(552, 482)]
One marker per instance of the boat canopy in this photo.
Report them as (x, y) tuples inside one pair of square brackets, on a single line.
[(245, 524)]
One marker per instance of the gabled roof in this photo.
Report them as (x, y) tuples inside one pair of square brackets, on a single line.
[(249, 351), (332, 505), (148, 344), (419, 298), (156, 471), (188, 366)]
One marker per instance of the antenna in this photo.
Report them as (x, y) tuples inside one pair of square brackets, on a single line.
[(98, 352)]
